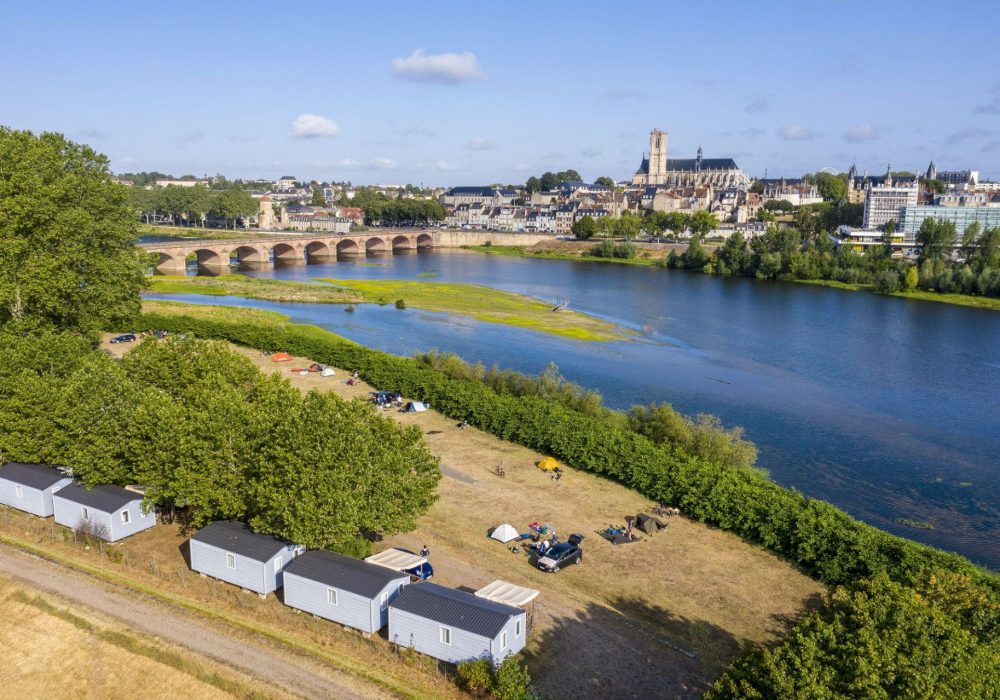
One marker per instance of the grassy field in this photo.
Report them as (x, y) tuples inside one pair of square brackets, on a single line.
[(253, 288), (54, 652), (990, 303), (566, 254), (485, 304)]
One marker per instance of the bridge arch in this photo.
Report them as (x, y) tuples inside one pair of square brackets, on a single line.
[(249, 254), (348, 248), (425, 240), (169, 263), (211, 257), (374, 246), (402, 243), (318, 249), (286, 252)]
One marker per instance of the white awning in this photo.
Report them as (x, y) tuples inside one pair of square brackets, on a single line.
[(396, 559), (507, 593)]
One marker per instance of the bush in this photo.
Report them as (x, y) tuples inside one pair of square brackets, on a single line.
[(400, 304), (887, 282), (508, 681)]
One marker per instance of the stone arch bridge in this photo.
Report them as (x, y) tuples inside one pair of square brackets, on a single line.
[(173, 255)]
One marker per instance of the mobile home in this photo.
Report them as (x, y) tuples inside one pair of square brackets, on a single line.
[(109, 512), (29, 487), (232, 552)]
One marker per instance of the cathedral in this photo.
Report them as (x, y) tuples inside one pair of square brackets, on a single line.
[(657, 169)]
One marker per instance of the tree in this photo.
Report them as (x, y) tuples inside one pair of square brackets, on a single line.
[(317, 199), (606, 181), (936, 238), (584, 228), (832, 187), (533, 184), (67, 257), (911, 278), (757, 187), (702, 222), (234, 203), (677, 222), (935, 186)]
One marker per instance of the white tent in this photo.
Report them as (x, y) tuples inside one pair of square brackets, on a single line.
[(326, 372), (504, 533), (507, 594)]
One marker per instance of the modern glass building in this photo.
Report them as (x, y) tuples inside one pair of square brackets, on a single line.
[(912, 217)]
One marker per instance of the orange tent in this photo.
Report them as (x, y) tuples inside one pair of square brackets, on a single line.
[(281, 357)]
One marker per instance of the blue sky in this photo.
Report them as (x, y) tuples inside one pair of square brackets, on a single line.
[(470, 93)]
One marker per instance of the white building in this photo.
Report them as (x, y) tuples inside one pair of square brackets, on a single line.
[(884, 203)]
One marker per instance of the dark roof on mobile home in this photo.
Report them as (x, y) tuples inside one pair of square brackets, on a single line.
[(103, 497), (238, 538), (36, 476), (346, 573), (457, 609)]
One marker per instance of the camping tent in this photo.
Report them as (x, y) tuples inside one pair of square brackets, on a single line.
[(415, 406), (648, 523), (326, 372), (281, 357), (504, 533), (548, 464)]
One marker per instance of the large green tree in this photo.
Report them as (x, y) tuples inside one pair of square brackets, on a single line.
[(702, 222), (234, 203), (584, 228), (67, 257), (936, 238)]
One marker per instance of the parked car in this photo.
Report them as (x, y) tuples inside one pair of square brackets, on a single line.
[(561, 555), (124, 338)]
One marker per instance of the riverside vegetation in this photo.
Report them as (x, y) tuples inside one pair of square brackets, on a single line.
[(901, 618)]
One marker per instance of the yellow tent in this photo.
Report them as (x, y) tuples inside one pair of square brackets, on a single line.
[(548, 464)]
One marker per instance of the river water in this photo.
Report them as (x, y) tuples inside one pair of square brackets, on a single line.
[(886, 407)]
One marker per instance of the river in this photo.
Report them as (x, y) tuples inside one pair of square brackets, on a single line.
[(886, 407)]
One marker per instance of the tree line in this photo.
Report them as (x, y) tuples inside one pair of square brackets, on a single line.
[(383, 210), (806, 252), (192, 205)]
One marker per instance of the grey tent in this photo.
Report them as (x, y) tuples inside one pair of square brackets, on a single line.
[(649, 524)]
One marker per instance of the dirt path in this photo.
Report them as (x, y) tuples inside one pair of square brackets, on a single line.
[(292, 675)]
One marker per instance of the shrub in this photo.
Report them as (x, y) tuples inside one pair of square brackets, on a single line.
[(400, 304), (507, 681), (887, 282), (476, 676), (604, 249)]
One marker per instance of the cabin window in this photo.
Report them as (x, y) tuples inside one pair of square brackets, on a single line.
[(126, 517), (18, 491), (503, 640), (331, 596), (84, 513), (517, 628), (446, 635), (277, 565), (231, 561)]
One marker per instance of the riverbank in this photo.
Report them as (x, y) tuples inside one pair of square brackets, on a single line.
[(989, 303), (483, 304)]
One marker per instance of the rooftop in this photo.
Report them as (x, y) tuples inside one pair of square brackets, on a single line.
[(103, 497), (346, 573), (457, 609), (36, 476), (240, 539)]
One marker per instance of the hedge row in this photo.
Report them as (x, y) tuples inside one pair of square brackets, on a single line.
[(826, 542)]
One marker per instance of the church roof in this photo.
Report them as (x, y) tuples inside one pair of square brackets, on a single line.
[(691, 165), (643, 167)]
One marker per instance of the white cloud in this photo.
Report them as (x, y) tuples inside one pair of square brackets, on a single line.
[(313, 126), (444, 166), (450, 68), (480, 144), (347, 163), (382, 164), (793, 132), (860, 134)]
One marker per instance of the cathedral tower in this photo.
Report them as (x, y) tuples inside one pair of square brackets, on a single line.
[(657, 157)]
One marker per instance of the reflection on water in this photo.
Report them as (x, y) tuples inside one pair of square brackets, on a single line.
[(884, 406)]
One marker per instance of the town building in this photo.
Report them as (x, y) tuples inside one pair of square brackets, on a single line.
[(29, 487), (657, 169), (343, 589), (913, 216), (455, 626), (885, 202), (109, 512), (230, 551), (954, 179), (796, 192)]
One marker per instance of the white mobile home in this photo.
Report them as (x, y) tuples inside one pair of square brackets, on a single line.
[(343, 589), (109, 512), (29, 487), (455, 626), (232, 552)]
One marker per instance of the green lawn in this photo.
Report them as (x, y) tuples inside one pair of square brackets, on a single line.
[(520, 252), (252, 288), (485, 304)]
